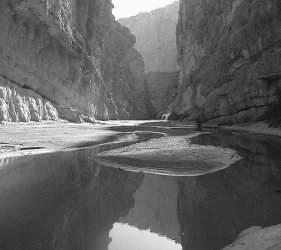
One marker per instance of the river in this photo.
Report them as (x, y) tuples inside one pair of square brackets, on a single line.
[(68, 201)]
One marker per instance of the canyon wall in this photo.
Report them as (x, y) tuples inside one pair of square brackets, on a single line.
[(229, 57), (122, 67), (156, 40), (156, 37), (51, 51)]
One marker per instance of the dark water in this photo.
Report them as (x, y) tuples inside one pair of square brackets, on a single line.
[(66, 201)]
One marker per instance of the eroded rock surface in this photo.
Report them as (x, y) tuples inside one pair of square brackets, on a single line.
[(229, 56), (54, 48), (23, 105)]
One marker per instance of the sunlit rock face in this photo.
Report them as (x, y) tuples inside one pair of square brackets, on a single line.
[(23, 105), (123, 71), (156, 40), (54, 49), (229, 56)]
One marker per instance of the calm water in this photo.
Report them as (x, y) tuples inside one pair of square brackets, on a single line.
[(66, 201)]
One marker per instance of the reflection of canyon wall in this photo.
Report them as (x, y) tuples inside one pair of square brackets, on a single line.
[(229, 58), (156, 207), (156, 40), (50, 61), (62, 201), (213, 209)]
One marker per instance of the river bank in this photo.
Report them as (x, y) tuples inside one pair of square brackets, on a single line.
[(37, 138), (259, 128)]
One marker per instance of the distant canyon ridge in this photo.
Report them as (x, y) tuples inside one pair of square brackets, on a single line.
[(214, 62)]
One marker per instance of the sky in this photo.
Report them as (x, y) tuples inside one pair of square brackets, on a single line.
[(127, 8)]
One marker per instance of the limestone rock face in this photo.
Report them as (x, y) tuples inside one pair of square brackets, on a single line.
[(156, 40), (54, 48), (229, 56), (23, 105), (123, 71)]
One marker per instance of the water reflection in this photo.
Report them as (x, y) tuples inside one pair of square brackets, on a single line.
[(64, 201), (129, 237), (214, 208), (156, 207)]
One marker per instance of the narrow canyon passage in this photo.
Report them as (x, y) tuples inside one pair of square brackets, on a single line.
[(140, 125)]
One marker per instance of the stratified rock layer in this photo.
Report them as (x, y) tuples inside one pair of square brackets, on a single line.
[(229, 56), (23, 105)]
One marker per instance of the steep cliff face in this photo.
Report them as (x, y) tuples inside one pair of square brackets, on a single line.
[(229, 56), (162, 88), (51, 51), (23, 105), (156, 40), (123, 70)]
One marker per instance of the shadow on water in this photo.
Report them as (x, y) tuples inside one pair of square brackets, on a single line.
[(214, 208), (64, 201)]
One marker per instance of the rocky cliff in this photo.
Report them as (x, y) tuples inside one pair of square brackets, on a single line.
[(50, 60), (229, 56), (123, 70), (156, 40), (162, 90)]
